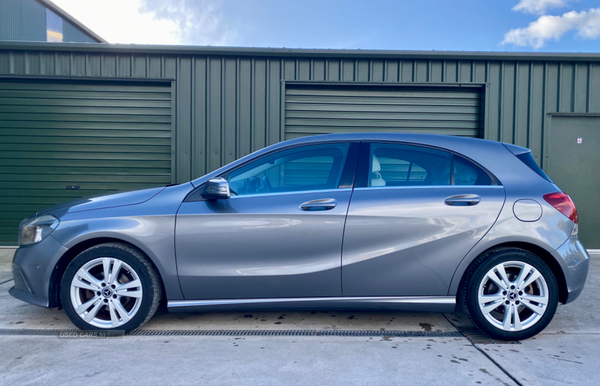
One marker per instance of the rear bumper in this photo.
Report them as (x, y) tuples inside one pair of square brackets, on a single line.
[(576, 264)]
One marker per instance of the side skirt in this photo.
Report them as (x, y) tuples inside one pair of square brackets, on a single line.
[(402, 303)]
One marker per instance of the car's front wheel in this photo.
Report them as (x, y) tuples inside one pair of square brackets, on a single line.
[(110, 286), (510, 294)]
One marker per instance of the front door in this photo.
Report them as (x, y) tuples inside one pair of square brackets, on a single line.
[(280, 233), (414, 215)]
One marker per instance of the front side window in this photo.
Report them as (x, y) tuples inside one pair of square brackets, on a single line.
[(306, 168)]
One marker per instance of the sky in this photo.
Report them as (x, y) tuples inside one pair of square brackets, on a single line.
[(455, 25)]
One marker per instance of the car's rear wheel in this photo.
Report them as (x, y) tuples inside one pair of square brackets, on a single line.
[(110, 286), (510, 294)]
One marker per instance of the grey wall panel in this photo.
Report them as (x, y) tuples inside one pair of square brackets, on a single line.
[(74, 34), (274, 100), (479, 72), (228, 106), (22, 20), (536, 113), (183, 140), (244, 110), (259, 102), (319, 70), (493, 121), (580, 104), (522, 103), (228, 113), (566, 87), (552, 87), (198, 134), (213, 110), (594, 85)]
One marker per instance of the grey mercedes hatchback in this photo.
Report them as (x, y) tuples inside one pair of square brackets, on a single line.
[(380, 221)]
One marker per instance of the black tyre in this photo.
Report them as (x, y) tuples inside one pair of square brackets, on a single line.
[(110, 286), (509, 293)]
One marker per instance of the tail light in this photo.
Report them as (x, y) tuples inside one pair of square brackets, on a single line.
[(563, 203)]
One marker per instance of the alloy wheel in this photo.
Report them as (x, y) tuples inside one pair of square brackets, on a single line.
[(106, 292), (513, 296)]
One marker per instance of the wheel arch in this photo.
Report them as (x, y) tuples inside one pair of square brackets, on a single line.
[(542, 253), (60, 267)]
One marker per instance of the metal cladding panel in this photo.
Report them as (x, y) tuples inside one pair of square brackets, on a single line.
[(22, 20), (573, 147), (100, 137), (74, 34), (230, 104), (311, 110)]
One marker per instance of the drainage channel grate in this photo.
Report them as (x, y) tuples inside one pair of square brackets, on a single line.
[(476, 336), (359, 333), (399, 334)]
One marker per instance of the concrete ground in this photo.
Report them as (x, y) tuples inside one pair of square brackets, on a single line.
[(565, 353)]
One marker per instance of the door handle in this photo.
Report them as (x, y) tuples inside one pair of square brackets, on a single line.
[(463, 200), (320, 204)]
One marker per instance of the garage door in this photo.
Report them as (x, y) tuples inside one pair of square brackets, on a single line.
[(311, 110), (63, 141)]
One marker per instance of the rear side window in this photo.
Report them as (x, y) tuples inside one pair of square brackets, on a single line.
[(407, 165), (467, 173), (527, 159), (402, 165)]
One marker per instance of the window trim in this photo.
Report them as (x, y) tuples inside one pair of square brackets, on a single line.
[(363, 169), (347, 178)]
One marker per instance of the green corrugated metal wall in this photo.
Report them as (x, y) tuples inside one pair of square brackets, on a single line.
[(102, 138), (228, 106), (229, 103), (311, 110)]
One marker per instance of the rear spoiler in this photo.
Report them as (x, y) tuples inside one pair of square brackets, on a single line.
[(516, 150)]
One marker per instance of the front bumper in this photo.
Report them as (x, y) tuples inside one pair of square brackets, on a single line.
[(32, 270), (575, 262)]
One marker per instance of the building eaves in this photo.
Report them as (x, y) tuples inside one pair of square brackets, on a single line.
[(300, 52)]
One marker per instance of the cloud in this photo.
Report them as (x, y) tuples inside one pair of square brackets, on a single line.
[(120, 21), (153, 21), (587, 25), (539, 6), (198, 21)]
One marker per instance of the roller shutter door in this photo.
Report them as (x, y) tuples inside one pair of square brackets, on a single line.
[(311, 110), (67, 140)]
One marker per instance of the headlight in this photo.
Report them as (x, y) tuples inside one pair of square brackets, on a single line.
[(37, 229)]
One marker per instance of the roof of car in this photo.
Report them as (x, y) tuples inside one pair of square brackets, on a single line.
[(431, 139)]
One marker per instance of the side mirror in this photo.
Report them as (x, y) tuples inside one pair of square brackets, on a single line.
[(216, 189)]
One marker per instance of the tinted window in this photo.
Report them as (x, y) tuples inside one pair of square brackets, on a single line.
[(315, 167), (527, 159), (403, 165), (406, 165), (467, 173)]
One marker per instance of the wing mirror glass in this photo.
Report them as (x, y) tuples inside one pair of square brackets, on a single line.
[(216, 189)]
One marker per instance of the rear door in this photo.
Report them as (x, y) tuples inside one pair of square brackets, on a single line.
[(415, 213)]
